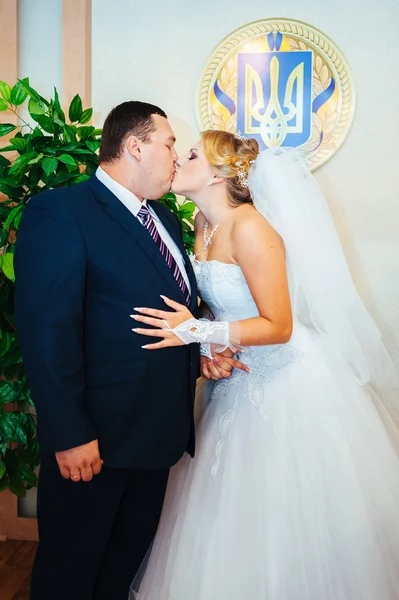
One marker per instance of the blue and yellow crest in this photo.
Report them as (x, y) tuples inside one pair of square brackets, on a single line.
[(283, 83)]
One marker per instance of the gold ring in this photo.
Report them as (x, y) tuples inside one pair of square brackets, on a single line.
[(74, 476)]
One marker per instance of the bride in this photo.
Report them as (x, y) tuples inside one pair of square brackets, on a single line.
[(294, 492)]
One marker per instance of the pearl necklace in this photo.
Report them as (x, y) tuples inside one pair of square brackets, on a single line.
[(207, 238)]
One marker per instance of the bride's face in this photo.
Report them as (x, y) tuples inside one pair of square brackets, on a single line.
[(193, 172)]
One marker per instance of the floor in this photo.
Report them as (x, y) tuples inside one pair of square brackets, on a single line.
[(16, 559)]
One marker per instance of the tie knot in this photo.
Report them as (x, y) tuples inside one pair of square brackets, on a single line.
[(144, 215)]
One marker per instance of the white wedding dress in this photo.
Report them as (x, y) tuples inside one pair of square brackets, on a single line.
[(294, 490)]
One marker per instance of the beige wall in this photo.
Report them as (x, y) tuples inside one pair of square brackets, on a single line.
[(39, 41)]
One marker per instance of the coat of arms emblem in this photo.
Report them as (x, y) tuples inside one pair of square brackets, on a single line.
[(282, 82)]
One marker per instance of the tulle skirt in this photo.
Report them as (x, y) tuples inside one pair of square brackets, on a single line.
[(293, 494)]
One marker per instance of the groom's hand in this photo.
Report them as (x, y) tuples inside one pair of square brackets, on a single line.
[(80, 463), (221, 365)]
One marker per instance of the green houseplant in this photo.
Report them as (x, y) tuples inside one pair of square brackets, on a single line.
[(49, 151)]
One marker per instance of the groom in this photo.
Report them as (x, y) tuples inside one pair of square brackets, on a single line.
[(112, 417)]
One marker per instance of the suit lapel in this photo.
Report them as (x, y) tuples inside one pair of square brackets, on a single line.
[(119, 213)]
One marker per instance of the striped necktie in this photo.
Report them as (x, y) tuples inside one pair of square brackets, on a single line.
[(148, 222)]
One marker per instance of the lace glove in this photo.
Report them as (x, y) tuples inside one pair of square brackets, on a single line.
[(219, 333), (207, 315)]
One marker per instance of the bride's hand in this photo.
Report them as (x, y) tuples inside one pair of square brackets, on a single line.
[(162, 321)]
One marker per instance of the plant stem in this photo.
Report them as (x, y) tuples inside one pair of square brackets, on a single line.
[(21, 119)]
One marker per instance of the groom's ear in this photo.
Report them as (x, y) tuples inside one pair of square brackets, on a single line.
[(133, 146)]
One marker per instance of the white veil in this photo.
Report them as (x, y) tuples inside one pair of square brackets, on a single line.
[(322, 291)]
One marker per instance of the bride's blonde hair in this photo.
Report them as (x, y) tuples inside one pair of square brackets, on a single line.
[(231, 157)]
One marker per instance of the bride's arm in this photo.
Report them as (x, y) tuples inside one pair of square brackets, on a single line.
[(259, 251)]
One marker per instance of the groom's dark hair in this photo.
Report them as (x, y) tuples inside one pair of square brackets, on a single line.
[(128, 118)]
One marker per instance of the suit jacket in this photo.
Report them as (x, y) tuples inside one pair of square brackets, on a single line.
[(82, 263)]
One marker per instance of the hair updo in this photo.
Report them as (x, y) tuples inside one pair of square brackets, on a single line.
[(231, 157)]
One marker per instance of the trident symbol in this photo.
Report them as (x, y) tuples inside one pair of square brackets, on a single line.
[(273, 123)]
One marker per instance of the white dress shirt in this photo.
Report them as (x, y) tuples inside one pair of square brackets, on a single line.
[(133, 204)]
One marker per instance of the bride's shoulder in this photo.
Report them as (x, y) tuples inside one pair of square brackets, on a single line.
[(248, 222)]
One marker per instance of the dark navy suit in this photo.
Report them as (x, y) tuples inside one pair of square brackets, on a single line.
[(83, 262)]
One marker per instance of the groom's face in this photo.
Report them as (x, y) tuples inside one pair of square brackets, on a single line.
[(159, 158)]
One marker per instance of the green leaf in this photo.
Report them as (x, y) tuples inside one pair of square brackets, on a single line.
[(5, 91), (85, 131), (6, 128), (83, 151), (28, 475), (49, 165), (36, 159), (12, 357), (18, 143), (69, 133), (189, 204), (3, 105), (11, 460), (86, 116), (10, 426), (93, 146), (5, 344), (58, 121), (4, 162), (59, 116), (31, 92), (21, 163), (36, 107), (80, 179), (28, 398), (37, 133), (45, 123), (8, 149), (18, 94), (76, 109), (169, 196), (30, 426), (33, 177), (10, 391), (17, 220), (44, 142), (33, 449), (67, 159), (59, 179), (7, 266), (16, 486), (13, 213), (4, 484), (2, 469), (6, 189), (185, 213), (70, 147)]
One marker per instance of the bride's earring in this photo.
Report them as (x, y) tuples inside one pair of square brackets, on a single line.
[(209, 182)]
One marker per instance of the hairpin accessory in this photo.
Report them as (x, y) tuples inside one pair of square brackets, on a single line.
[(242, 178)]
